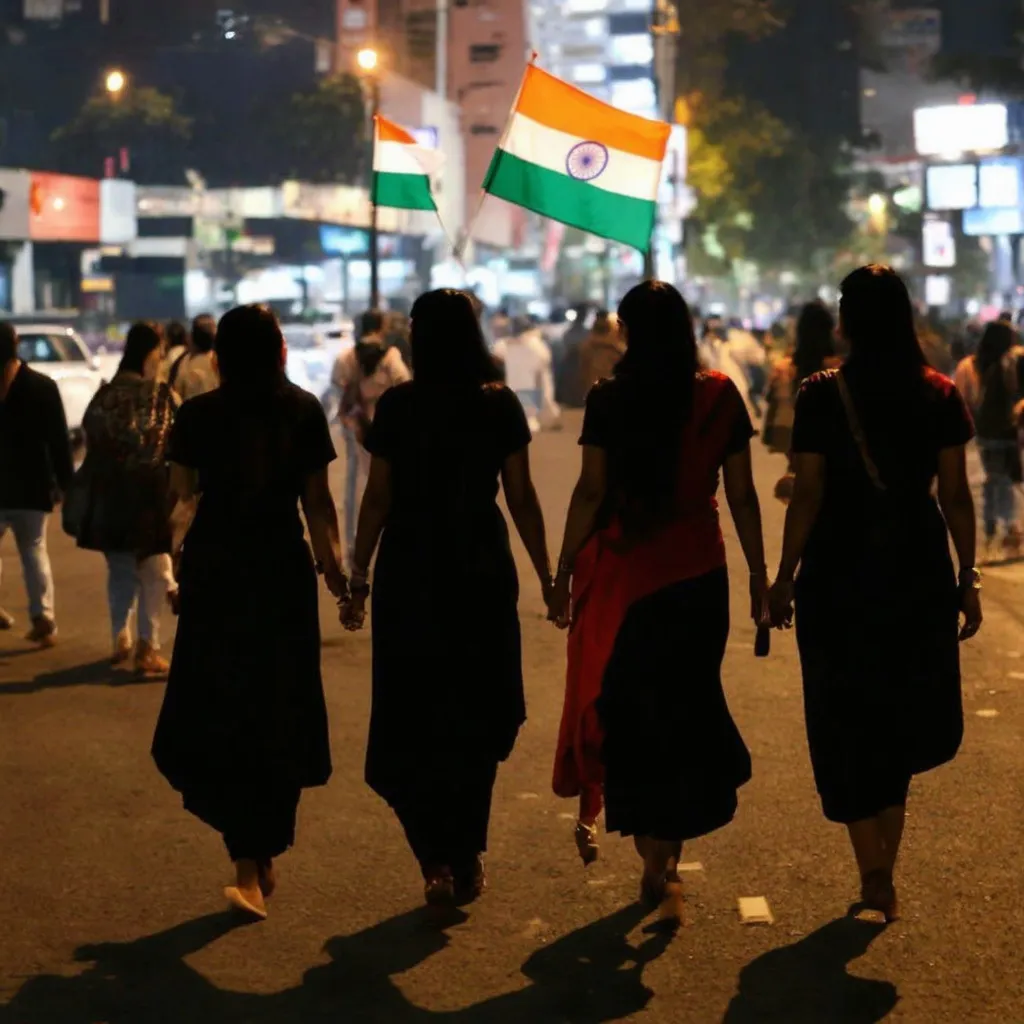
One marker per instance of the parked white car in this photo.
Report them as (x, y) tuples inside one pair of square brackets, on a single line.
[(59, 353)]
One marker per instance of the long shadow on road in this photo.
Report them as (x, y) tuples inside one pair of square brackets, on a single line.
[(96, 673), (578, 979), (808, 982)]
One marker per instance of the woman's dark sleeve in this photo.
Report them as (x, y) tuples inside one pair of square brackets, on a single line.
[(316, 448), (183, 447), (742, 430), (810, 419), (513, 432), (383, 435), (597, 426)]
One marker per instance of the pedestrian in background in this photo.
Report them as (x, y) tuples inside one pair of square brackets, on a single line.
[(645, 713), (526, 359), (362, 375), (127, 425), (35, 472), (814, 351), (177, 337), (196, 372), (877, 598), (243, 727), (990, 382), (445, 713), (599, 354)]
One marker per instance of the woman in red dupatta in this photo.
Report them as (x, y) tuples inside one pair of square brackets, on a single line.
[(646, 727)]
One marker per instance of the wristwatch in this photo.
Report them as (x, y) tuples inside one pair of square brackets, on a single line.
[(970, 579)]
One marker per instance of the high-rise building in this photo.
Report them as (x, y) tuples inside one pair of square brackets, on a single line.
[(604, 47)]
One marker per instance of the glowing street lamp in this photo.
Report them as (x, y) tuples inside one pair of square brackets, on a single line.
[(367, 59), (116, 82)]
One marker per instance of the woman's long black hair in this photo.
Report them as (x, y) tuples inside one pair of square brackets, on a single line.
[(447, 341), (250, 350), (656, 378), (878, 321), (142, 338), (999, 337), (815, 340)]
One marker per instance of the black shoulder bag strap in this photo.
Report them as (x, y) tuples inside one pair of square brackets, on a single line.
[(853, 420)]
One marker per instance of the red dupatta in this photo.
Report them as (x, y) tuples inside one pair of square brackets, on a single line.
[(609, 577)]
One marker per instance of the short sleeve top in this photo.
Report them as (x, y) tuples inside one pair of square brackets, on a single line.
[(904, 434), (253, 456), (718, 428), (446, 453)]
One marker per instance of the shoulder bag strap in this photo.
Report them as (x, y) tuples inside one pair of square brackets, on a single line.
[(853, 420)]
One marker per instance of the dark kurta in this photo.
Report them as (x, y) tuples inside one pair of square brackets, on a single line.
[(245, 703), (444, 704), (877, 609)]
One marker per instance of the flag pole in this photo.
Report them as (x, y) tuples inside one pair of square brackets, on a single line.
[(471, 223)]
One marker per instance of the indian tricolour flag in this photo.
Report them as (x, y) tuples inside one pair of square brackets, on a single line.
[(577, 160), (402, 168)]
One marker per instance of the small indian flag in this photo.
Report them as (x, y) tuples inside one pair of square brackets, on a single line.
[(577, 160), (402, 168)]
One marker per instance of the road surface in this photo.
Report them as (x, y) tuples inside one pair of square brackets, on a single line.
[(110, 893)]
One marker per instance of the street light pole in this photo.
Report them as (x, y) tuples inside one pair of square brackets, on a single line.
[(374, 248), (369, 61)]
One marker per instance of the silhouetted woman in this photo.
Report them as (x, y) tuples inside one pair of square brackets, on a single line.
[(815, 350), (645, 713), (243, 729), (877, 599), (445, 712)]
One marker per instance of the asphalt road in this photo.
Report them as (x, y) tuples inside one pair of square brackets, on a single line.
[(110, 894)]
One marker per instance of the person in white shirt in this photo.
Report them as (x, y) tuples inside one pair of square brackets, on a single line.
[(526, 358), (197, 372), (361, 375)]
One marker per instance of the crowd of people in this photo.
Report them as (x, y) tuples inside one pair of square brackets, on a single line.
[(199, 457)]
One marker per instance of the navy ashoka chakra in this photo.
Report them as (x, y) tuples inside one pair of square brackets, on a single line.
[(586, 160)]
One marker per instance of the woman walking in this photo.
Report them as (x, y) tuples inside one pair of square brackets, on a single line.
[(126, 427), (645, 714), (243, 728), (877, 599), (445, 714), (990, 382), (814, 351)]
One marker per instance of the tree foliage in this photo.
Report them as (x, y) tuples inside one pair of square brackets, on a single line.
[(142, 120), (323, 133)]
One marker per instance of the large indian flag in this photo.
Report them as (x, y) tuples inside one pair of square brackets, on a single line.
[(402, 168), (577, 160)]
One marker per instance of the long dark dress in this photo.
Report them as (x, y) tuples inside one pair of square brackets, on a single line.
[(876, 602), (644, 704), (447, 706), (243, 726)]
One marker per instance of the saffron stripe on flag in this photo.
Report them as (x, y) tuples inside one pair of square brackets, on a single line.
[(561, 106), (577, 203)]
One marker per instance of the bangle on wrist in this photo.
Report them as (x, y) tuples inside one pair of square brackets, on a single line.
[(760, 574), (970, 578), (565, 566)]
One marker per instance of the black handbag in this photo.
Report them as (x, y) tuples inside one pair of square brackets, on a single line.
[(75, 508)]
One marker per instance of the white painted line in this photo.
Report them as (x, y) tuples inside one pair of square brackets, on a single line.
[(987, 713), (693, 865), (755, 910), (527, 796), (1016, 675)]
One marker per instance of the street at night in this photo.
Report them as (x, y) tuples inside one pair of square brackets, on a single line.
[(110, 894)]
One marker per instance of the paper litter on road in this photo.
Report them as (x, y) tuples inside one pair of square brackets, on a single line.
[(987, 713), (693, 865), (755, 910), (1016, 675)]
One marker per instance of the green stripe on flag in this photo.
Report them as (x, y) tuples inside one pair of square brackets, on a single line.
[(402, 191), (576, 203)]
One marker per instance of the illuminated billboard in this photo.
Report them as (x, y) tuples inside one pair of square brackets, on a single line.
[(939, 245), (963, 128), (952, 186), (1001, 182)]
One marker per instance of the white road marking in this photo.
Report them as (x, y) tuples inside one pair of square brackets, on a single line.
[(755, 910), (987, 713), (693, 865)]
